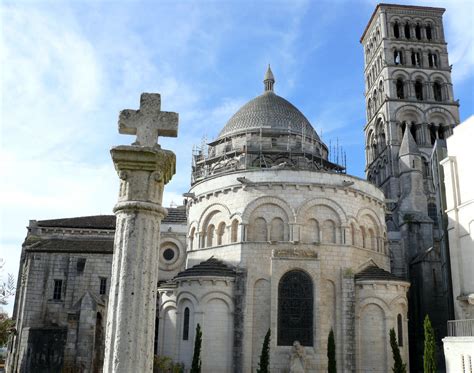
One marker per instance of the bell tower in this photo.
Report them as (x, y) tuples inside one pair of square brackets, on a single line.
[(410, 110)]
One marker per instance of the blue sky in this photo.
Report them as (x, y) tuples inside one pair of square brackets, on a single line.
[(68, 69)]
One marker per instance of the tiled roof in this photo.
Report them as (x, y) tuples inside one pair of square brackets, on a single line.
[(71, 246), (210, 267), (376, 273), (175, 215)]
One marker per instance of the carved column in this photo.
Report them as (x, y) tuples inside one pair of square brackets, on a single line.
[(143, 172)]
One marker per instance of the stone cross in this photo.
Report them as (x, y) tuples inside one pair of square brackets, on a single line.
[(143, 168), (149, 121)]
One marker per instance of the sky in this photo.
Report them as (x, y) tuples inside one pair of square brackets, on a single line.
[(68, 68)]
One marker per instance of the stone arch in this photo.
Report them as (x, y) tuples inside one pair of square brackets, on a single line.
[(370, 212), (186, 295), (398, 73), (249, 209), (409, 113), (372, 337), (217, 294), (258, 231), (303, 208), (211, 210), (429, 113), (167, 326)]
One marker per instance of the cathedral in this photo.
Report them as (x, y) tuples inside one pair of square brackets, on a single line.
[(273, 235)]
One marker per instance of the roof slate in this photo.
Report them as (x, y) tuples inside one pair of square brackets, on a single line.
[(72, 246), (175, 215), (376, 273), (210, 267)]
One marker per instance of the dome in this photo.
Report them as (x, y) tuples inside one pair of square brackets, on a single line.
[(271, 113)]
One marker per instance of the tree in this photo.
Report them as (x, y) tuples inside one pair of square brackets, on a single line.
[(429, 355), (7, 289), (196, 365), (331, 353), (399, 366), (265, 355)]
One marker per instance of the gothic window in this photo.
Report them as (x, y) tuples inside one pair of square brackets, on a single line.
[(186, 324), (329, 232), (437, 91), (400, 330), (433, 134), (210, 235), (57, 291), (396, 30), (413, 132), (407, 31), (233, 230), (259, 229), (295, 309), (220, 233), (433, 212), (277, 231), (419, 90), (400, 93), (418, 31), (103, 286)]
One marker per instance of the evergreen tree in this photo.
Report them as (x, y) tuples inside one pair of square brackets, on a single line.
[(196, 365), (331, 353), (429, 355), (399, 366), (265, 355)]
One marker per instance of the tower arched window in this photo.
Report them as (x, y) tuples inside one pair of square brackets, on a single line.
[(397, 57), (396, 30), (429, 33), (400, 330), (407, 31), (432, 59), (433, 134), (413, 132), (186, 324), (399, 85), (295, 309), (419, 90), (437, 91), (418, 31)]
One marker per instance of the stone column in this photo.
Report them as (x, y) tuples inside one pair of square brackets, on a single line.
[(143, 168)]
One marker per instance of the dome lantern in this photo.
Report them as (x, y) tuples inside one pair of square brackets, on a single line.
[(269, 80)]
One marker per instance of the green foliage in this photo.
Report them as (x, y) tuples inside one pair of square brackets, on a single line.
[(164, 364), (429, 355), (196, 365), (6, 325), (331, 353), (399, 366), (263, 365)]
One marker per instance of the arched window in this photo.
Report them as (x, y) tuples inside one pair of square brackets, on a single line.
[(433, 133), (437, 91), (295, 309), (329, 232), (400, 330), (371, 244), (400, 93), (220, 233), (233, 230), (429, 34), (259, 230), (432, 59), (191, 239), (313, 230), (353, 234), (396, 30), (397, 57), (186, 324), (210, 235), (419, 90), (277, 231), (407, 31), (418, 31), (362, 235)]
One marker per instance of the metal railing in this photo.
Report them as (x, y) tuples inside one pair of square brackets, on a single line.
[(461, 328)]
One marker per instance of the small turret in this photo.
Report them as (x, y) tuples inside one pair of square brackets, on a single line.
[(413, 197), (269, 80)]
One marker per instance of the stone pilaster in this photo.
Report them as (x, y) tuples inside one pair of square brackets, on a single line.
[(143, 172)]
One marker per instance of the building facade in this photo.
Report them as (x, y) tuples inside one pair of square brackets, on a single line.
[(458, 179), (410, 105)]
